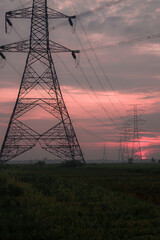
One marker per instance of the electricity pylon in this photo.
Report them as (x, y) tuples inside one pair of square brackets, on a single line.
[(61, 139), (104, 158), (123, 146), (130, 145), (136, 153)]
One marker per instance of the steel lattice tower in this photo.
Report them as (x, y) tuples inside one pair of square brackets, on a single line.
[(123, 146), (104, 158), (130, 145), (60, 140), (136, 146)]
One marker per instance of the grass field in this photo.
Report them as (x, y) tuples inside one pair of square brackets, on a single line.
[(95, 202)]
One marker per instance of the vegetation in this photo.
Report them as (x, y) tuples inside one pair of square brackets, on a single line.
[(95, 202), (72, 163)]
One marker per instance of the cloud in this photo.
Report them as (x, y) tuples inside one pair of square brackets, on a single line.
[(133, 70)]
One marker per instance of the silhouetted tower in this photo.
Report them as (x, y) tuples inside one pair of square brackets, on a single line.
[(39, 71), (123, 144), (120, 152), (136, 153), (104, 154)]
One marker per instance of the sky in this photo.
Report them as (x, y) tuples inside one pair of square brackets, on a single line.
[(114, 79)]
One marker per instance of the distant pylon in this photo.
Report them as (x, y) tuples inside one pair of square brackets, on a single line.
[(104, 154), (39, 72), (136, 153), (130, 146), (123, 144)]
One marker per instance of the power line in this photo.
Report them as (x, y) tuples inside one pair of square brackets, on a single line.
[(97, 9), (13, 67), (123, 43), (18, 33), (84, 75), (98, 100), (76, 80), (88, 131), (100, 66), (91, 11), (23, 4), (93, 91)]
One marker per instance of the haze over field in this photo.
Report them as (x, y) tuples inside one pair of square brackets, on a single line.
[(95, 109)]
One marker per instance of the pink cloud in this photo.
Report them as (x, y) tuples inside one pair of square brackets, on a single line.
[(149, 48), (78, 101), (8, 94), (108, 134)]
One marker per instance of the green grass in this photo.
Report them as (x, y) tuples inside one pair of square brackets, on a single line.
[(95, 202)]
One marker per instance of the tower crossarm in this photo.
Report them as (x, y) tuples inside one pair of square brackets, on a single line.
[(20, 13), (26, 13), (24, 47), (53, 14), (58, 48)]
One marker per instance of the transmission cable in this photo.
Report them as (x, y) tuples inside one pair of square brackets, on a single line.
[(84, 75), (17, 33), (93, 91), (94, 117), (98, 100), (100, 66), (13, 67), (75, 79), (90, 12), (88, 131), (123, 43), (23, 4)]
